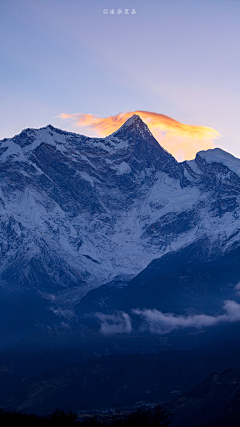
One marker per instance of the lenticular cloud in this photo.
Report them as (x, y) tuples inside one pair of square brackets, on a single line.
[(181, 140)]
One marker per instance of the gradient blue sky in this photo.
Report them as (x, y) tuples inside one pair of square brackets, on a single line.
[(180, 58)]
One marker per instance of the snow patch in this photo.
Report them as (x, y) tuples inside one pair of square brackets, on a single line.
[(123, 168), (12, 150), (220, 156), (87, 177)]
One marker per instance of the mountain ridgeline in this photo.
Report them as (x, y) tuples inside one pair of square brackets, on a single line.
[(88, 222)]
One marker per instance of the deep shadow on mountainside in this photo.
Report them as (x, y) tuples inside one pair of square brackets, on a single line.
[(176, 282)]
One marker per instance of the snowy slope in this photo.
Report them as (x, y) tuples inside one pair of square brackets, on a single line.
[(77, 211)]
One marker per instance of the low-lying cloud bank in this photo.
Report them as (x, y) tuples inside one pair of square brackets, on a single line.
[(161, 323), (157, 322)]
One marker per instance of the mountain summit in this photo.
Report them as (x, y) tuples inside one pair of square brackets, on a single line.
[(133, 124), (135, 130)]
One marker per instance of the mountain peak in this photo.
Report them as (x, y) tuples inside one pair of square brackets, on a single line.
[(135, 119), (217, 155), (132, 126)]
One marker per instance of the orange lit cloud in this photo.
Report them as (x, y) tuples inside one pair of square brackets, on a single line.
[(182, 141)]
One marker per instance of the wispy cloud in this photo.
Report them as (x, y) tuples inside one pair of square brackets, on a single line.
[(117, 323), (181, 140), (157, 322), (162, 323), (237, 287)]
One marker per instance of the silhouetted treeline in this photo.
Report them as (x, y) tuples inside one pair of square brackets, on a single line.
[(155, 417)]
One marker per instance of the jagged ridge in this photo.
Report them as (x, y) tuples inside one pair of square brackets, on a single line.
[(78, 211)]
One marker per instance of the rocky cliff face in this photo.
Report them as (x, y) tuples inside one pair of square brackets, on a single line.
[(77, 212)]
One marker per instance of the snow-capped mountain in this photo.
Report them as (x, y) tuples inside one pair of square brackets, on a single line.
[(77, 212)]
